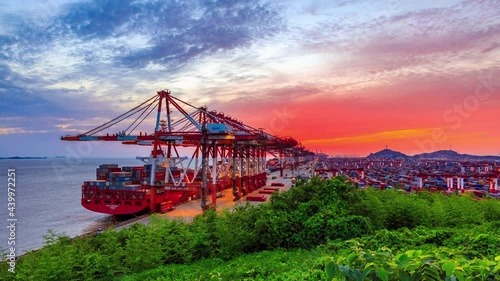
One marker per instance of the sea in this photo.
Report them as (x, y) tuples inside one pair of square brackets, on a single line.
[(47, 197)]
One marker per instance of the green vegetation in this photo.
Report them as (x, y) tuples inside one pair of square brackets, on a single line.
[(266, 265), (410, 265), (320, 230)]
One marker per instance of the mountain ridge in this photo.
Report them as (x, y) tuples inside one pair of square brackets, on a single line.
[(439, 154), (388, 153)]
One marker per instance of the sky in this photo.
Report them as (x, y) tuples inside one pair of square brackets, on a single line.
[(342, 77)]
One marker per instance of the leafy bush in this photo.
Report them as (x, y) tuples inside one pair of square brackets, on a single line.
[(393, 209), (265, 265), (311, 214), (410, 265)]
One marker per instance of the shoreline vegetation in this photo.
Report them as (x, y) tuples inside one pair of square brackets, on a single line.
[(319, 230)]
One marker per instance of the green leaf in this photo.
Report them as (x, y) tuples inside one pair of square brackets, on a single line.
[(448, 267), (410, 253), (382, 274), (331, 269), (460, 275), (350, 256), (430, 273), (366, 272), (370, 264), (385, 254), (357, 275), (392, 265), (404, 276), (402, 257), (497, 258), (412, 267), (344, 269)]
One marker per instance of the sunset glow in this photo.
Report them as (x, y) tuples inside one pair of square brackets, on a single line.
[(342, 77)]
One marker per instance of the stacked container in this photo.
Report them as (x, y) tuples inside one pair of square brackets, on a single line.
[(117, 180), (97, 184), (102, 173), (134, 187), (159, 178), (137, 173)]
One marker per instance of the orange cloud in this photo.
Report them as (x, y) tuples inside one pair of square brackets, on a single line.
[(373, 137)]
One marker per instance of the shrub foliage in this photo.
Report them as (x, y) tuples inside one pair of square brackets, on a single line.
[(316, 213)]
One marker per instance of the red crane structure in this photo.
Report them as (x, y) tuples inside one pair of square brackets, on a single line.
[(226, 153)]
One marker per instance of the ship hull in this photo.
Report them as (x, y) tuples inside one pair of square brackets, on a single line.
[(125, 202), (115, 202), (124, 191)]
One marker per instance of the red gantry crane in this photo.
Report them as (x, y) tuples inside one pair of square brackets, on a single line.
[(226, 153)]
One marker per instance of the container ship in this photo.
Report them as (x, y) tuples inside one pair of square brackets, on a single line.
[(126, 190)]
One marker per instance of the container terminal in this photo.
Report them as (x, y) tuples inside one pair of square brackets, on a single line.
[(224, 152), (479, 177), (227, 155)]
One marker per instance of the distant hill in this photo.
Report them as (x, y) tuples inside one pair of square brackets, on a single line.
[(453, 155), (22, 158), (440, 154), (389, 154)]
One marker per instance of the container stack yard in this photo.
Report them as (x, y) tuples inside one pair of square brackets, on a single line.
[(225, 153), (414, 175)]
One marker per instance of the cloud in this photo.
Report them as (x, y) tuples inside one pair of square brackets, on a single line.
[(332, 63), (166, 32), (399, 42), (374, 137), (14, 130), (182, 35), (88, 39), (20, 97), (93, 58)]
